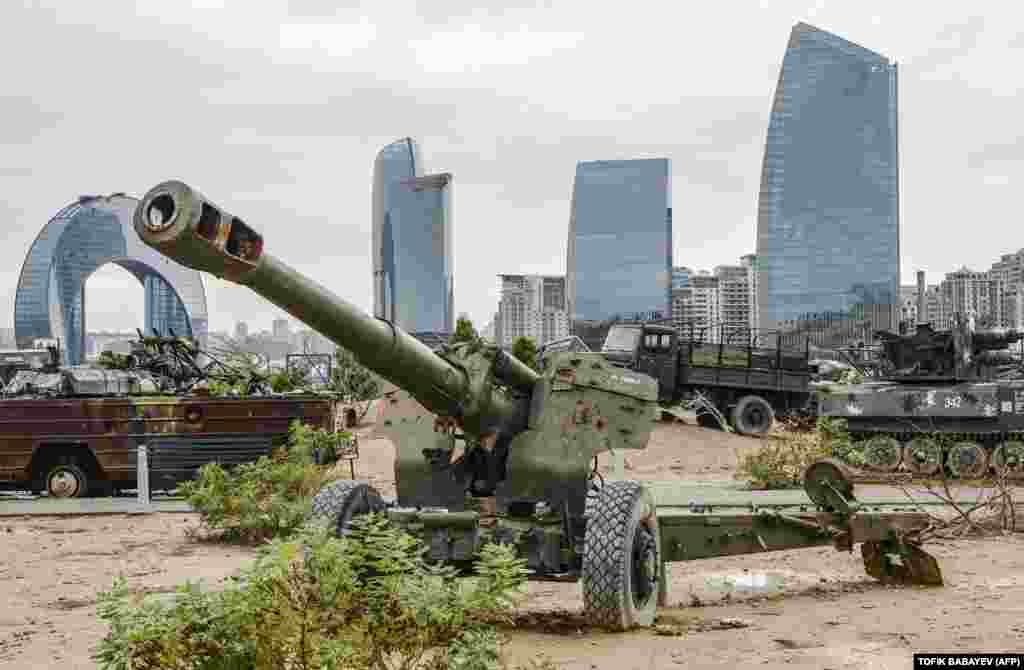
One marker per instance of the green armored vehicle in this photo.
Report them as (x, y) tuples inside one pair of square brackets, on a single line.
[(490, 451), (936, 399)]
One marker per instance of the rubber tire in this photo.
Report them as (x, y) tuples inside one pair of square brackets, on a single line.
[(612, 523), (743, 425), (708, 420), (341, 501), (75, 471)]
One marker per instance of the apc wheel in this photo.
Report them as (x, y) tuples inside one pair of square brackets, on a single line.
[(623, 570), (753, 416), (67, 481), (340, 502)]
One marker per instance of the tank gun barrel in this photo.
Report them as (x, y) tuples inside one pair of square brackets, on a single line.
[(996, 338), (182, 224)]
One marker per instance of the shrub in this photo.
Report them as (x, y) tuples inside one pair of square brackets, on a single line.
[(366, 601), (784, 456), (268, 498)]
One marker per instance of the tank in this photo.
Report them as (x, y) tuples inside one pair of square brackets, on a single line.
[(936, 400)]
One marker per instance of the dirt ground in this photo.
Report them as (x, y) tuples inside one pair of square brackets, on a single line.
[(812, 608)]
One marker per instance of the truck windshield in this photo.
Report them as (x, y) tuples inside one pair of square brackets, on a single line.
[(621, 338)]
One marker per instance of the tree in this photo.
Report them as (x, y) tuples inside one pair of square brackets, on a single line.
[(353, 381), (525, 349), (464, 331)]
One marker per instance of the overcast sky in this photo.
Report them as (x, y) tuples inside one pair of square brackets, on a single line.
[(275, 111)]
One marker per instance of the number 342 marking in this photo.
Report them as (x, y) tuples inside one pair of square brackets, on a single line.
[(953, 402)]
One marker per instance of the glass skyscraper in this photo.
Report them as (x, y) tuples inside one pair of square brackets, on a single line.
[(50, 299), (619, 260), (828, 212), (412, 242)]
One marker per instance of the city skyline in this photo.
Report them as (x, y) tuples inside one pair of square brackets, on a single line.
[(486, 94)]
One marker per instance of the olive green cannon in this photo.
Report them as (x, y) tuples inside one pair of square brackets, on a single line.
[(492, 451)]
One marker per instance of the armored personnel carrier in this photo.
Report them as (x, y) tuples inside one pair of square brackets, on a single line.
[(950, 399), (490, 451), (74, 431)]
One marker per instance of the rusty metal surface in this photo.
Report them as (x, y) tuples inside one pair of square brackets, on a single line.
[(112, 428)]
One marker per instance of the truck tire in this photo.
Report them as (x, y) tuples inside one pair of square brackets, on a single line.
[(340, 502), (753, 415), (67, 481), (708, 420), (623, 567)]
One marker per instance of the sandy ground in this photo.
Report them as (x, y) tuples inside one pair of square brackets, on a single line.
[(812, 608)]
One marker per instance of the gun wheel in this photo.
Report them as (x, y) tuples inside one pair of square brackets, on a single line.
[(340, 502), (623, 569), (821, 477)]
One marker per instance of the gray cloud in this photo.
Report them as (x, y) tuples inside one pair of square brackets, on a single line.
[(120, 95)]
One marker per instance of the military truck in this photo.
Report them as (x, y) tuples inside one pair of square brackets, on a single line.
[(746, 381), (75, 431), (490, 451)]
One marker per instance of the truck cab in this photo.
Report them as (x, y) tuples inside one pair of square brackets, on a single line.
[(647, 348)]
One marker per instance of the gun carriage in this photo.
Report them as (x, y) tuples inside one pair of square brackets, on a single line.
[(489, 450)]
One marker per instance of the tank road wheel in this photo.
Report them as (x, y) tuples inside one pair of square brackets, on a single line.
[(622, 561), (882, 453), (923, 456), (340, 502), (753, 416), (967, 460), (1008, 460), (67, 481)]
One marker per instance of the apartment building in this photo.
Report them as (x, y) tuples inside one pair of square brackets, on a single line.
[(531, 306)]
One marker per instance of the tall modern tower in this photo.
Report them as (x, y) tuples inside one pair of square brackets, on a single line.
[(619, 259), (412, 242), (828, 212)]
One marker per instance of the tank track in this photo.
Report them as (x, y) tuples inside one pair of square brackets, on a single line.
[(956, 454)]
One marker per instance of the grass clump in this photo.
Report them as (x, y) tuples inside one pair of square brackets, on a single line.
[(785, 454), (368, 601), (271, 497)]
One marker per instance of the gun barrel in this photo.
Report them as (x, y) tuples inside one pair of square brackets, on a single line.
[(180, 223)]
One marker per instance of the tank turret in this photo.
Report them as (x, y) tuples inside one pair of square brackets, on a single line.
[(956, 355)]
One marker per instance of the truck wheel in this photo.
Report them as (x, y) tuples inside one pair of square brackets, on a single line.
[(753, 416), (708, 420), (67, 481), (623, 568), (340, 502)]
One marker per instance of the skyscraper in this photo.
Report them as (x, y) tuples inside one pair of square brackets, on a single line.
[(398, 160), (412, 242), (619, 259), (828, 212)]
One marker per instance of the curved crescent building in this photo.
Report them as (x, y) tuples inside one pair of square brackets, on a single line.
[(50, 300), (412, 242), (828, 211)]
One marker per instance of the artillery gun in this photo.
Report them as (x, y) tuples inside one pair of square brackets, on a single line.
[(937, 399), (488, 450)]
